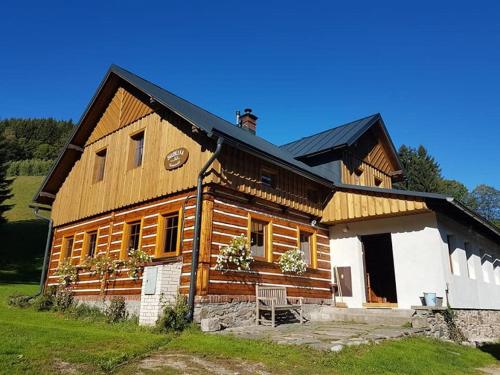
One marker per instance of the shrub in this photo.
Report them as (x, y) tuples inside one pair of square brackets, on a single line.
[(117, 310), (43, 302), (86, 312), (174, 317), (63, 299), (18, 300), (292, 261)]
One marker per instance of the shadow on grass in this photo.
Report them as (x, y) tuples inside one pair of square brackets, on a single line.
[(22, 244), (493, 349)]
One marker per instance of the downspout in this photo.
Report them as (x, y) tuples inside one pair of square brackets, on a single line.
[(48, 244), (197, 229)]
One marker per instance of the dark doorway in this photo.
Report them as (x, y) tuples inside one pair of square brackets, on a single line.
[(379, 269)]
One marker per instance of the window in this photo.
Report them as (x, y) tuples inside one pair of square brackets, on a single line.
[(268, 178), (313, 195), (168, 231), (67, 247), (307, 243), (378, 182), (91, 244), (451, 249), (134, 236), (136, 150), (258, 238), (100, 163), (469, 261)]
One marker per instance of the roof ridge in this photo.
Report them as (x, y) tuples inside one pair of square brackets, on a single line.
[(330, 129), (173, 94)]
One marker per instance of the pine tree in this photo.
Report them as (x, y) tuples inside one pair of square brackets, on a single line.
[(422, 171), (5, 183)]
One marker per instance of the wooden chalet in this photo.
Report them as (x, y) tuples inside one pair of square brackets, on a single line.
[(128, 178)]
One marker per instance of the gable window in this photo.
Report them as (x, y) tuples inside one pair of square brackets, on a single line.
[(67, 249), (100, 164), (268, 178), (136, 149), (91, 244), (168, 235), (378, 181)]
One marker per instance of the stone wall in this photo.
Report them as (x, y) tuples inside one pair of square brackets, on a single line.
[(158, 291), (132, 303), (237, 313), (475, 326)]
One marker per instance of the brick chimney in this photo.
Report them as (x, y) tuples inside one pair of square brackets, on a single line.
[(248, 121)]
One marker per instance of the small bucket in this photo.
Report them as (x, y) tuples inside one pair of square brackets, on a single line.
[(430, 299)]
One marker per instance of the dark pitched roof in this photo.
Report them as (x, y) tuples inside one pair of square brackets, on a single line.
[(440, 203), (343, 135), (338, 137), (213, 125)]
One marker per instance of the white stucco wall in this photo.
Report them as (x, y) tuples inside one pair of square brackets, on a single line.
[(421, 261), (472, 284), (416, 248)]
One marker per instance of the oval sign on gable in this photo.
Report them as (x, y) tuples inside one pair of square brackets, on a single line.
[(176, 158)]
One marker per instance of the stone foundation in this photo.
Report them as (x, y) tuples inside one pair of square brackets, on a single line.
[(237, 311), (476, 326)]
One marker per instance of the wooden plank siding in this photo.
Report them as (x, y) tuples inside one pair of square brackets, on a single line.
[(81, 197), (351, 164), (351, 206), (230, 218), (110, 236), (242, 172), (225, 214)]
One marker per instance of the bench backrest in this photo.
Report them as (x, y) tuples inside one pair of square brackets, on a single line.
[(278, 292)]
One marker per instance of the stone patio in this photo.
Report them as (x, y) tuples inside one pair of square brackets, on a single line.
[(331, 336)]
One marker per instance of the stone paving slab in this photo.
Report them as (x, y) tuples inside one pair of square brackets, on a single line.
[(321, 335)]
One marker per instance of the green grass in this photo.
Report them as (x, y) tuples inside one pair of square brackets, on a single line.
[(23, 236), (44, 342), (407, 356), (23, 189)]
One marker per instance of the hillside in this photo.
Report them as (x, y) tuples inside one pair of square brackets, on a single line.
[(23, 236)]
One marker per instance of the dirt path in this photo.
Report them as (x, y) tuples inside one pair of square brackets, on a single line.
[(181, 363)]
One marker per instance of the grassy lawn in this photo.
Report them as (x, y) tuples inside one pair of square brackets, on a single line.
[(43, 343), (23, 237)]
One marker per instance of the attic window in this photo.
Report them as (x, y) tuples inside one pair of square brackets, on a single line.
[(100, 163), (378, 181), (136, 149), (268, 178), (313, 195)]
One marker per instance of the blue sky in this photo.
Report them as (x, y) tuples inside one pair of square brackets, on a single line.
[(432, 69)]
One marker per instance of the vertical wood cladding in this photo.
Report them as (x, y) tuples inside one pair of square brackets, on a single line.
[(225, 215), (242, 171), (350, 206), (80, 196), (351, 165)]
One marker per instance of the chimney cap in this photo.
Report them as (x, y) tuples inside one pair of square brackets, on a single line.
[(248, 114), (248, 110)]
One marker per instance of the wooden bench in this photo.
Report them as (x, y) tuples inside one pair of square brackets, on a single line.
[(273, 298)]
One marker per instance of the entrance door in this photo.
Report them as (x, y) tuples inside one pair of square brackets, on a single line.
[(379, 269)]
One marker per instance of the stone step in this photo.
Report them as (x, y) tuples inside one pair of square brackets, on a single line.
[(357, 315)]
